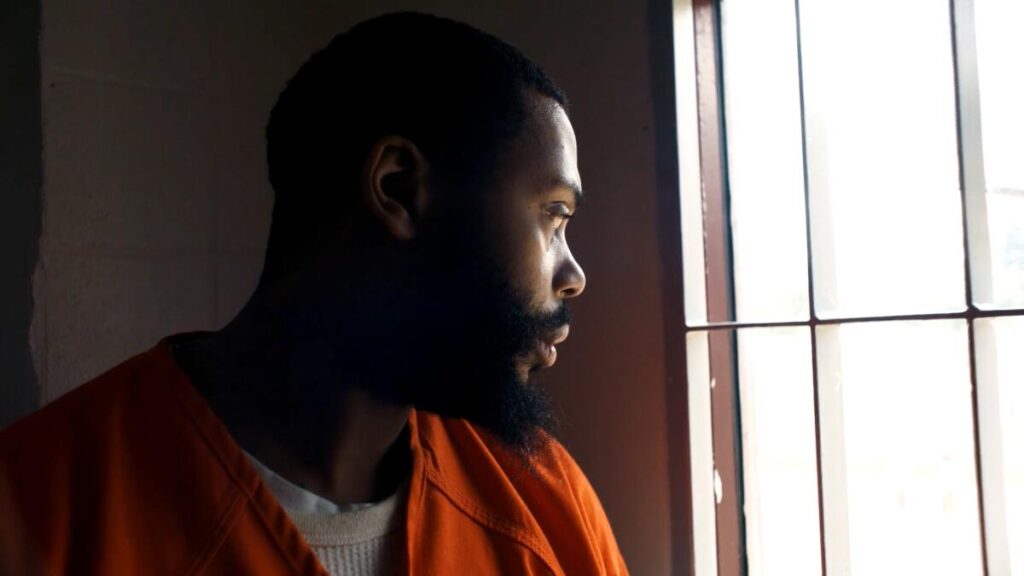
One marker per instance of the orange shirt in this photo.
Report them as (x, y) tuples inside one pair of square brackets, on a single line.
[(132, 473)]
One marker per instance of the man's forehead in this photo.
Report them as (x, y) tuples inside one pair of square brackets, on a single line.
[(552, 145), (541, 159)]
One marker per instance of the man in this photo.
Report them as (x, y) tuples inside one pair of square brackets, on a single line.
[(372, 409)]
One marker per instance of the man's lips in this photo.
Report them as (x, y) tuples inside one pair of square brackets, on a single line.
[(558, 336), (546, 351)]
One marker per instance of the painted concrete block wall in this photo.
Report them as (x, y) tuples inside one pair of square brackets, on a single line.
[(156, 204)]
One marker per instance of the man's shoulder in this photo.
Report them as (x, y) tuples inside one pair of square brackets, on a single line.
[(63, 421), (462, 454), (122, 455), (54, 461), (546, 499), (91, 430)]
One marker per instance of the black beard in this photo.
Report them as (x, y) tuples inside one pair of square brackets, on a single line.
[(449, 335), (466, 359)]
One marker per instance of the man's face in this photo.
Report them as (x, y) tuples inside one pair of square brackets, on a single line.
[(491, 279), (479, 305), (538, 191)]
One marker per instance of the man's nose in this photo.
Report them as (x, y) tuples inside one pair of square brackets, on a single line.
[(569, 279)]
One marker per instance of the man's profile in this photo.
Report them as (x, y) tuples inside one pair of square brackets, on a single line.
[(373, 409)]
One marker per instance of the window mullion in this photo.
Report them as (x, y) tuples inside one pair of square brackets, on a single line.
[(721, 345), (810, 296), (978, 275)]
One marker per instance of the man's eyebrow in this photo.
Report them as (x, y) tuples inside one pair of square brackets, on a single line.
[(572, 186)]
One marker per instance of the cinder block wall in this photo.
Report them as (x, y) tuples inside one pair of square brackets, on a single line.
[(156, 204)]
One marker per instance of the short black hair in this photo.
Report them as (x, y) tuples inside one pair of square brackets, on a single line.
[(456, 92)]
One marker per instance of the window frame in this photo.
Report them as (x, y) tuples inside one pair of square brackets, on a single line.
[(694, 102)]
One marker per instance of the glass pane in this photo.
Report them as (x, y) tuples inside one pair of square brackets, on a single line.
[(1000, 44), (1000, 363), (898, 467), (765, 159), (1005, 208), (779, 454), (882, 158)]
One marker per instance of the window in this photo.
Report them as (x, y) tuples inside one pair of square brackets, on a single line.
[(852, 221)]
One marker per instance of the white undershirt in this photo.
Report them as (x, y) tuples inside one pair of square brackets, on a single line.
[(350, 540)]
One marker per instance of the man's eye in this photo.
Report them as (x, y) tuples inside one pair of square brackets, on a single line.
[(560, 214)]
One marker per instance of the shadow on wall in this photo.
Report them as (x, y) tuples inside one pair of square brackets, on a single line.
[(20, 182)]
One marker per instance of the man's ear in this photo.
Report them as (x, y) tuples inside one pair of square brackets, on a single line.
[(394, 185)]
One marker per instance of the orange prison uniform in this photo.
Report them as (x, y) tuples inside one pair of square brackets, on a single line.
[(132, 473)]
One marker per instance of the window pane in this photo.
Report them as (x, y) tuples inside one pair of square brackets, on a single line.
[(765, 159), (1000, 44), (898, 449), (1000, 363), (882, 158), (779, 454), (779, 466), (998, 25), (1005, 208)]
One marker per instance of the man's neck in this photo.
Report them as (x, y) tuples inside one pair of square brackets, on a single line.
[(345, 446)]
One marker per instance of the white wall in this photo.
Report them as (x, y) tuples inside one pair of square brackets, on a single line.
[(156, 205)]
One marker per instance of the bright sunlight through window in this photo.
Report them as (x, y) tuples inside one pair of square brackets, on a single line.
[(852, 216)]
